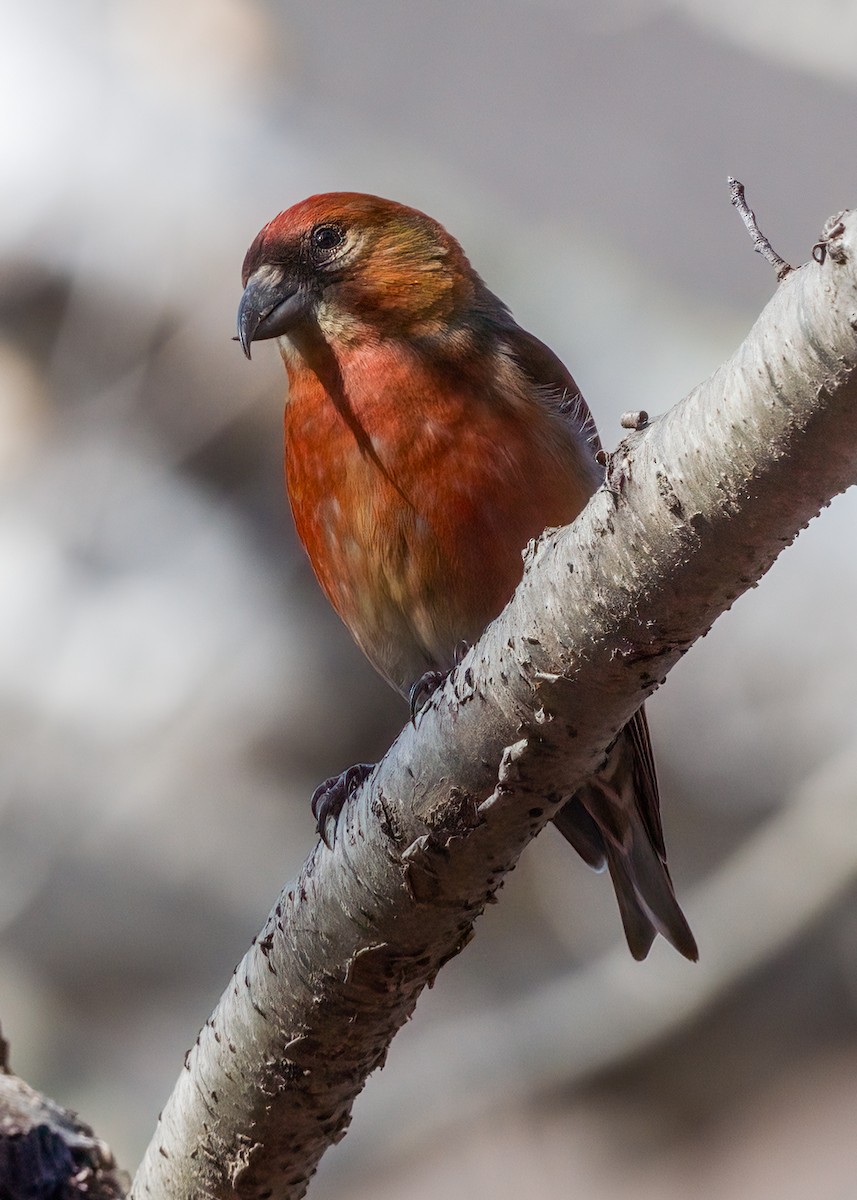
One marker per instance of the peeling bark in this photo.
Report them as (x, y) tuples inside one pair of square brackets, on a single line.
[(695, 508)]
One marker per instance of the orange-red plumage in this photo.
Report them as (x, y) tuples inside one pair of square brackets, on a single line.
[(425, 478), (428, 438)]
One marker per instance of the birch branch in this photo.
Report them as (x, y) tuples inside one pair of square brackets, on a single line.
[(791, 871), (696, 507)]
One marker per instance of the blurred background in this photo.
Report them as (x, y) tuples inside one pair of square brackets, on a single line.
[(173, 686)]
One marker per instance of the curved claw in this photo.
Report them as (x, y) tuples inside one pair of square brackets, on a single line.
[(460, 652), (330, 797), (423, 689), (428, 683)]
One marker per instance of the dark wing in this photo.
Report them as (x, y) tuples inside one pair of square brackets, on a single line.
[(646, 779), (614, 820), (555, 381)]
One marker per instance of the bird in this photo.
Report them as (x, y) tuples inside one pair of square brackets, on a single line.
[(428, 439)]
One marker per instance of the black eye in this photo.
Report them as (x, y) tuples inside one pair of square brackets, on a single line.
[(325, 238)]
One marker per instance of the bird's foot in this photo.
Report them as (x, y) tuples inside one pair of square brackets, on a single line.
[(427, 684), (330, 797)]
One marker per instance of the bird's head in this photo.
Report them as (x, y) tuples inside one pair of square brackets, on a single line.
[(349, 266)]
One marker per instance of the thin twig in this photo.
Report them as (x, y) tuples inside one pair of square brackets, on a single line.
[(760, 243)]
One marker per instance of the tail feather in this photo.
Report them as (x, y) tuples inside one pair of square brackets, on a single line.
[(639, 930), (615, 817)]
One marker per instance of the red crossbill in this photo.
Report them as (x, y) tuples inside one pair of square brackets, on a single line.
[(428, 438)]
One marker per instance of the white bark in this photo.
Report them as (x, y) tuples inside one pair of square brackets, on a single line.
[(696, 508)]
